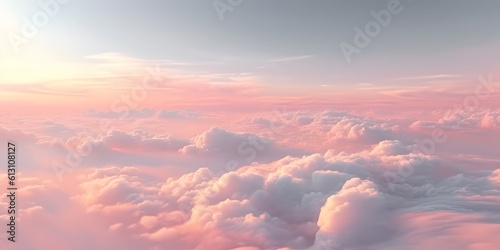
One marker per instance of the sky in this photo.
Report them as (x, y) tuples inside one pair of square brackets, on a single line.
[(251, 125)]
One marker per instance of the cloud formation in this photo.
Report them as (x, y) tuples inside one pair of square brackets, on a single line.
[(464, 119), (257, 189), (319, 201)]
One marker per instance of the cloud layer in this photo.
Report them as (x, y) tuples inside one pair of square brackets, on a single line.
[(295, 180)]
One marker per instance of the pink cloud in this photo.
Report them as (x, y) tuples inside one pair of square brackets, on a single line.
[(298, 184), (464, 119)]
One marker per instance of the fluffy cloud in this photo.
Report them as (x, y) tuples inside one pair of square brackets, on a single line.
[(354, 216), (218, 139), (144, 141), (333, 128), (118, 189), (16, 135), (319, 201), (228, 150), (495, 176), (56, 129), (356, 128), (252, 191), (464, 119)]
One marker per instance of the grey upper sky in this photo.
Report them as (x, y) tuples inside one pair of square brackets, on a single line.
[(281, 41)]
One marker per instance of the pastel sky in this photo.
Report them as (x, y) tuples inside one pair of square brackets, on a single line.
[(247, 125)]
